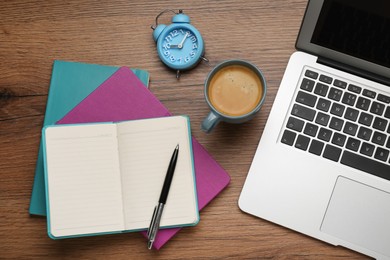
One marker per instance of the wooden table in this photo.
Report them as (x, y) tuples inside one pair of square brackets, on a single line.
[(34, 33)]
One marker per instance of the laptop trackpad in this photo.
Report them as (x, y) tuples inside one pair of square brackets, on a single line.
[(359, 214)]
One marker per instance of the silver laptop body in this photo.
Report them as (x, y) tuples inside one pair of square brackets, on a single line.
[(322, 166)]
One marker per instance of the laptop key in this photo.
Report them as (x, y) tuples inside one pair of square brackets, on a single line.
[(288, 137), (365, 119), (369, 93), (367, 149), (326, 79), (354, 88), (316, 147), (303, 112), (384, 98), (306, 99), (349, 98), (324, 134), (379, 138), (364, 133), (321, 89), (332, 152), (322, 119), (351, 114), (335, 94), (307, 84), (350, 128), (323, 105), (311, 129), (381, 154), (363, 103), (340, 84), (302, 142), (336, 123), (339, 139), (377, 108), (353, 144), (366, 164), (337, 109), (311, 74), (379, 123), (295, 124)]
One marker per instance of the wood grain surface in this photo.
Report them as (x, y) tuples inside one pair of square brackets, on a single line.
[(34, 33)]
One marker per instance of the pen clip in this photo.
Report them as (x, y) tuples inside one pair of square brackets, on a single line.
[(152, 223)]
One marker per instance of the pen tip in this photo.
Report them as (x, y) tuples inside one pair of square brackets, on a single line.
[(177, 146), (150, 244)]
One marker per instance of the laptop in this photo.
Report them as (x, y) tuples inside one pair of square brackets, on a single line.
[(322, 165)]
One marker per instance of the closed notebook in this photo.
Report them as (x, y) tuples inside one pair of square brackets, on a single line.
[(107, 177), (70, 83), (124, 97)]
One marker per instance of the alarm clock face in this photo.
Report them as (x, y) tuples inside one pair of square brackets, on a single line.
[(180, 47)]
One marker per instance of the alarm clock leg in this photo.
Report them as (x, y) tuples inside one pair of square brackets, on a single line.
[(178, 74)]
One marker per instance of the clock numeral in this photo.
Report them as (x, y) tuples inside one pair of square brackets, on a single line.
[(187, 59), (174, 33), (168, 38), (172, 58), (167, 53), (180, 60), (193, 38), (181, 31), (194, 46), (189, 34), (192, 54), (167, 46)]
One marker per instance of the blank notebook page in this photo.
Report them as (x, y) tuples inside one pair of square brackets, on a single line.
[(84, 181), (146, 148)]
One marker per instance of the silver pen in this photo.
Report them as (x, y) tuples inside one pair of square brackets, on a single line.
[(158, 210)]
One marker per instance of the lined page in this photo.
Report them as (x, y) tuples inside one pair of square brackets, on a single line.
[(84, 189), (146, 147)]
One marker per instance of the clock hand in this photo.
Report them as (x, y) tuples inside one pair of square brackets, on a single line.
[(180, 45)]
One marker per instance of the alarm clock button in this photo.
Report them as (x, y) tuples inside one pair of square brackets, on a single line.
[(181, 18)]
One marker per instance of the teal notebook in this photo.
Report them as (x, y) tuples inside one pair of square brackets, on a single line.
[(71, 82)]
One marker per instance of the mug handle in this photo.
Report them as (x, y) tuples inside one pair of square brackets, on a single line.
[(210, 122)]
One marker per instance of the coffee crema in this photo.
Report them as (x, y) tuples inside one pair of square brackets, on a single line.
[(235, 90)]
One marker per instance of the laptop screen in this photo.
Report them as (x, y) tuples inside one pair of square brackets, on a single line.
[(352, 32), (360, 28)]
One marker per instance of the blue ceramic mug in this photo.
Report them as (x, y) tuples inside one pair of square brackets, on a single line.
[(235, 90)]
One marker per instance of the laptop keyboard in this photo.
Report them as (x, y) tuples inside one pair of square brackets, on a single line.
[(341, 121)]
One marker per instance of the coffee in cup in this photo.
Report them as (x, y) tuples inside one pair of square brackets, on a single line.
[(234, 91)]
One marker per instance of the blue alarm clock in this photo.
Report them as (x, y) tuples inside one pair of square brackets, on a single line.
[(180, 45)]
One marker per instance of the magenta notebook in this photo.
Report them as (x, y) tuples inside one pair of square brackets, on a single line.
[(124, 97)]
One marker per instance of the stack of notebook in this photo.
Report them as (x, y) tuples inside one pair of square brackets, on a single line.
[(81, 93)]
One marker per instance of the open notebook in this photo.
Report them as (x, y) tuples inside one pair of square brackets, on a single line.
[(107, 177), (123, 97)]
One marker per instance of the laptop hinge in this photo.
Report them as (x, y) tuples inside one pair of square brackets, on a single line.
[(353, 70)]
